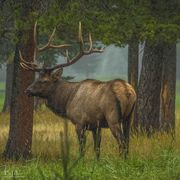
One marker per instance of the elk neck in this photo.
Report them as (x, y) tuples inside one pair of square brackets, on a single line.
[(61, 94)]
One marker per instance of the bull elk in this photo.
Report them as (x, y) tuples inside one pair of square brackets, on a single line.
[(89, 104)]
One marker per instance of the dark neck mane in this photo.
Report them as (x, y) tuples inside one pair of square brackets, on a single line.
[(60, 95)]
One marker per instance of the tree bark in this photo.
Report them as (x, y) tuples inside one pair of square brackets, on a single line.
[(148, 101), (8, 90), (21, 112), (133, 52), (168, 89), (133, 65)]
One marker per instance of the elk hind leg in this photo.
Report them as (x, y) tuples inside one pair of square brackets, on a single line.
[(115, 123), (126, 130), (97, 141)]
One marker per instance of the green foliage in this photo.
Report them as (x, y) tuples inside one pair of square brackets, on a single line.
[(117, 21), (164, 165), (148, 159), (112, 21)]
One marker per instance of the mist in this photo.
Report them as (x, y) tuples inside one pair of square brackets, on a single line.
[(110, 64)]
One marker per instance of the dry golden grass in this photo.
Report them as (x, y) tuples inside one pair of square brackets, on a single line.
[(46, 138)]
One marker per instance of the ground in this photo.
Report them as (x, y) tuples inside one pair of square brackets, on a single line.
[(149, 158)]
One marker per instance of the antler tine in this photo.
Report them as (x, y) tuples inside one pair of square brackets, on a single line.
[(90, 44), (67, 56), (49, 45), (52, 35), (91, 49), (20, 55), (46, 46), (27, 65), (35, 42), (24, 61), (81, 41)]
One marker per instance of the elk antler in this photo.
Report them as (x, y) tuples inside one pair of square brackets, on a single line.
[(81, 52), (34, 67), (31, 65)]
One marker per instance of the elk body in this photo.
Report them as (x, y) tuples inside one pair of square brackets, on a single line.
[(89, 104)]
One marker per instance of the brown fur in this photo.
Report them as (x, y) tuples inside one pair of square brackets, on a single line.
[(89, 104)]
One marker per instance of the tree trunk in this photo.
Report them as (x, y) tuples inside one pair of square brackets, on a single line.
[(148, 101), (8, 90), (133, 65), (133, 52), (21, 112), (168, 89)]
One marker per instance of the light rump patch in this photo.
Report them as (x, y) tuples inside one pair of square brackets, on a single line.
[(126, 95)]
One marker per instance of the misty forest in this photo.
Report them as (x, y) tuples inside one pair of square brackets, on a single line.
[(89, 89)]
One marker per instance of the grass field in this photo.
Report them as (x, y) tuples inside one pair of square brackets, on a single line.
[(2, 87), (149, 158), (1, 100), (178, 94)]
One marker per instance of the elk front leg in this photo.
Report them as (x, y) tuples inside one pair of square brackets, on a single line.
[(82, 138), (97, 141)]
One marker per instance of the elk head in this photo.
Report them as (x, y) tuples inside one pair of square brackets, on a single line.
[(49, 76)]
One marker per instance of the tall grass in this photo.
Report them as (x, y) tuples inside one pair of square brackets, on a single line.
[(150, 158), (2, 85)]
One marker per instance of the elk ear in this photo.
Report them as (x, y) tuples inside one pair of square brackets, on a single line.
[(57, 74)]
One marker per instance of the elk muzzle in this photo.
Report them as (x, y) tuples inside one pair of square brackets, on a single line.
[(28, 92)]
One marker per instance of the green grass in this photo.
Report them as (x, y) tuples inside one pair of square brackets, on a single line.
[(178, 94), (164, 166), (2, 85), (149, 158), (1, 100), (178, 100)]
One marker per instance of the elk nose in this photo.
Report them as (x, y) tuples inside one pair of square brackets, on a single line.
[(27, 91)]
